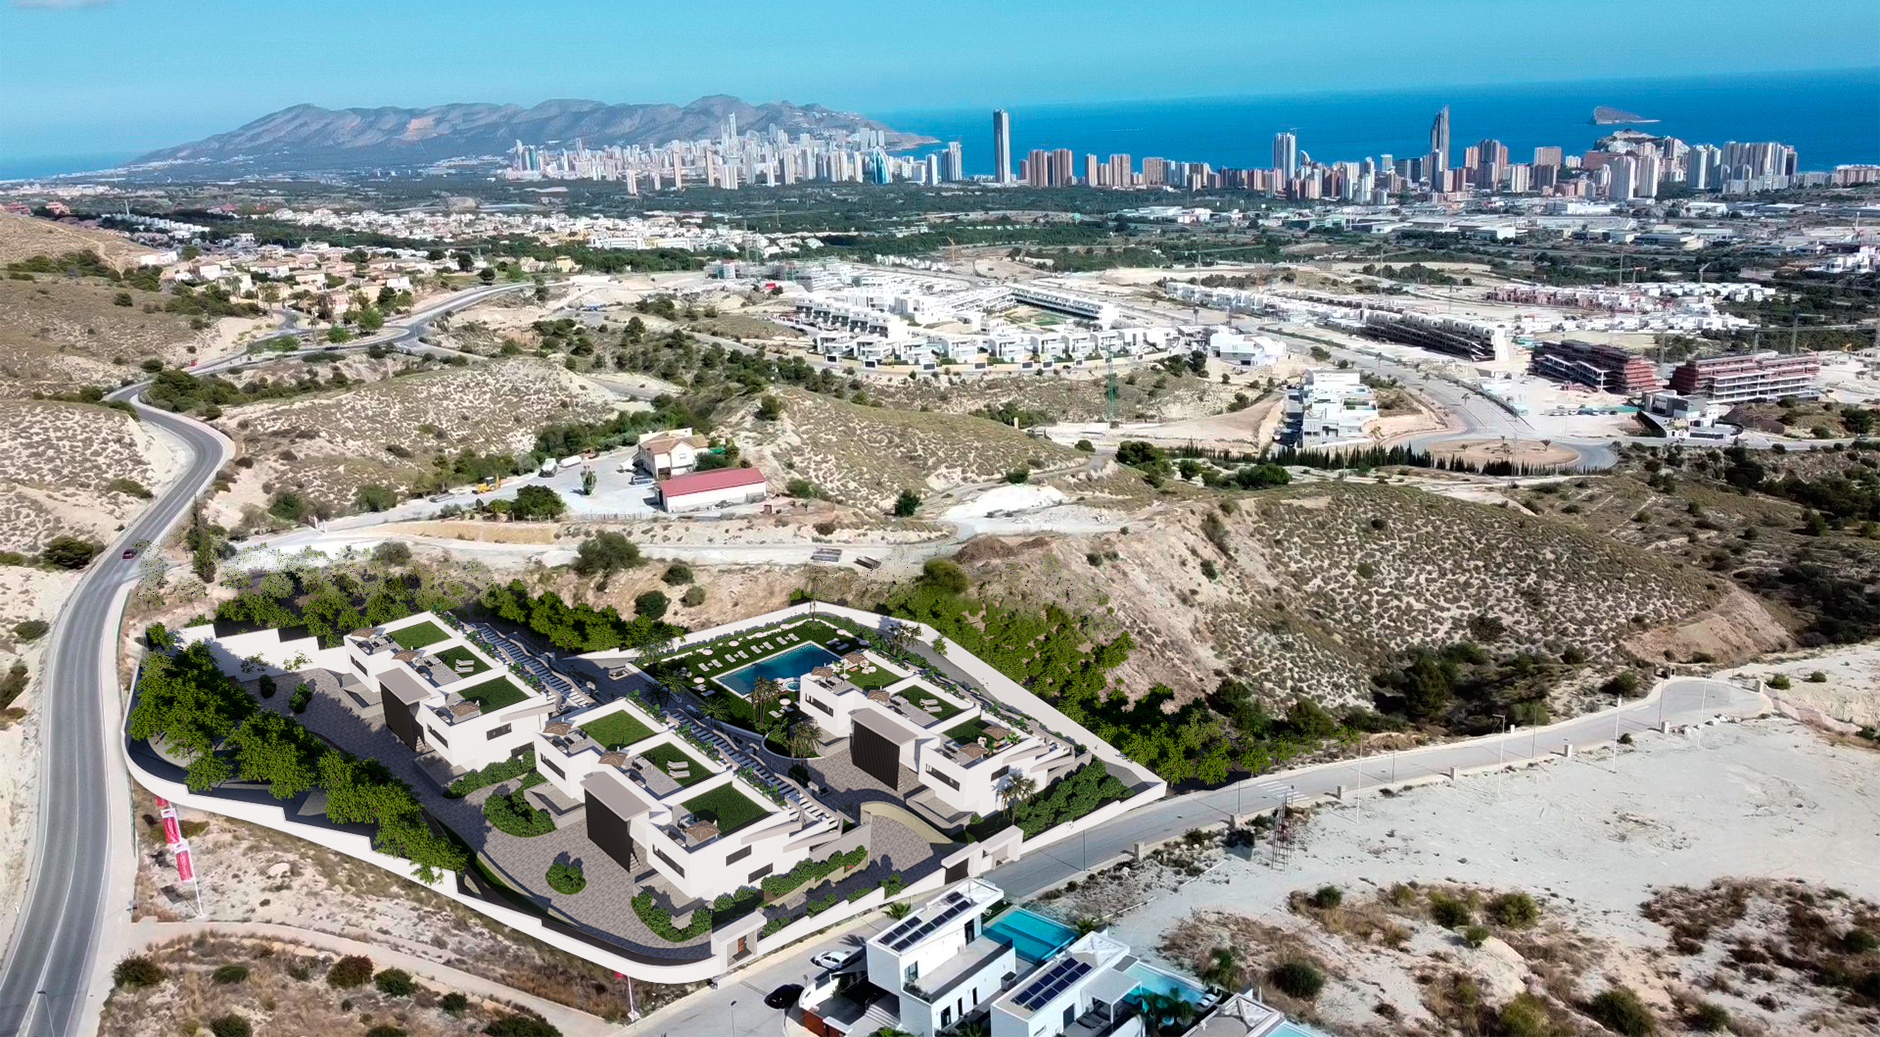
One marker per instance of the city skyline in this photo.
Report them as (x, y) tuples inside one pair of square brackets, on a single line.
[(413, 58)]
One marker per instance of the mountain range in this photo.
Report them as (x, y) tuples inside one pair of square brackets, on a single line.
[(307, 137)]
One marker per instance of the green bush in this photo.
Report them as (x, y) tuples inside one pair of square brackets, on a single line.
[(1709, 1017), (803, 489), (230, 1025), (301, 698), (659, 920), (652, 605), (1625, 683), (778, 886), (1018, 476), (566, 878), (521, 1026), (693, 597), (677, 574), (495, 773), (906, 504), (512, 813), (136, 972), (1514, 911), (394, 983), (1449, 912), (264, 686), (387, 1030), (454, 1003), (31, 630), (1475, 935), (1780, 682), (1328, 897), (229, 973), (1525, 1016), (1619, 1009), (1859, 941), (1299, 978), (1817, 677), (69, 552), (354, 970)]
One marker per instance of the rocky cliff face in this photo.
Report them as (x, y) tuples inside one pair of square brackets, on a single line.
[(309, 137)]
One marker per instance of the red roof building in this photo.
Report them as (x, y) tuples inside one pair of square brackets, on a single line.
[(716, 488)]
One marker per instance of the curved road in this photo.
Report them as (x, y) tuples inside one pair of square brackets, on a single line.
[(48, 966)]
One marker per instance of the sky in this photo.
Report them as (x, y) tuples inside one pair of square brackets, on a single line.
[(116, 77)]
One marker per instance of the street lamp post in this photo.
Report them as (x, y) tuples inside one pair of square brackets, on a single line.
[(1501, 742), (734, 1017)]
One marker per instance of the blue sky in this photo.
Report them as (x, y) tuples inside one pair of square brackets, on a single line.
[(91, 77)]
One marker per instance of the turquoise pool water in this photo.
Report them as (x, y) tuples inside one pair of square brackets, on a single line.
[(1292, 1029), (1152, 980), (1034, 937), (782, 667)]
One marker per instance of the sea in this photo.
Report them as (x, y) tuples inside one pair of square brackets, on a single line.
[(1830, 118)]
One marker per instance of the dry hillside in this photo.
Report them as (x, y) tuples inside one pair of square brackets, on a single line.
[(58, 333), (1314, 586), (22, 237), (866, 455), (329, 444), (1064, 398), (61, 461)]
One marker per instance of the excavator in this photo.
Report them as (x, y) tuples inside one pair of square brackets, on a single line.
[(486, 487)]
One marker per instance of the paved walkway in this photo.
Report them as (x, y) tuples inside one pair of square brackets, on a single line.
[(571, 1022), (1676, 702)]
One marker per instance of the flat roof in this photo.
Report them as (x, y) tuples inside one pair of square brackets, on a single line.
[(706, 482), (877, 722), (615, 794), (404, 685)]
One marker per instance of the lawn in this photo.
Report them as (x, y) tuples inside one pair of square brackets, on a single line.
[(868, 680), (661, 755), (458, 653), (914, 695), (812, 631), (418, 635), (616, 730), (969, 731), (491, 696), (727, 807)]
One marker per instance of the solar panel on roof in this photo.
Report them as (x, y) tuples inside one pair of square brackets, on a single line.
[(1054, 982), (956, 905)]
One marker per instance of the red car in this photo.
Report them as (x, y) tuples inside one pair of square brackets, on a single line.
[(130, 552)]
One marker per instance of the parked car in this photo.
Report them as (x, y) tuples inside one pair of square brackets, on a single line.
[(784, 996), (832, 959)]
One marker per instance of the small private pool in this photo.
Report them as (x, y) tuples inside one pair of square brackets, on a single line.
[(781, 667), (1151, 980), (1034, 937)]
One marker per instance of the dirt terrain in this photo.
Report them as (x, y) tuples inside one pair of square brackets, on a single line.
[(59, 333), (63, 459), (1060, 398), (1313, 585), (866, 455), (1734, 881), (23, 237), (329, 444)]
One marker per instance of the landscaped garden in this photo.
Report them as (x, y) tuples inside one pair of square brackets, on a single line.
[(722, 651), (616, 730), (918, 696), (660, 756), (456, 655), (513, 813), (493, 695), (870, 677), (970, 731), (417, 635), (726, 807)]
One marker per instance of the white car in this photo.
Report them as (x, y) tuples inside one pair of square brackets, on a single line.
[(831, 959)]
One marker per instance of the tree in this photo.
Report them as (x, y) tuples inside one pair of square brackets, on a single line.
[(376, 497), (588, 482), (392, 552), (652, 605), (69, 552), (1223, 969), (348, 972), (764, 695), (898, 635), (606, 553), (944, 575), (805, 736), (678, 574), (1015, 791), (769, 408), (906, 504), (487, 275), (1167, 1013), (1298, 978), (533, 502)]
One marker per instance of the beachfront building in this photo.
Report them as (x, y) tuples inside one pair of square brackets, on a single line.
[(441, 693)]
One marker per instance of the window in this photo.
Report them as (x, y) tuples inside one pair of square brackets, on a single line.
[(357, 665), (435, 737), (819, 705), (949, 782), (738, 856), (550, 764), (911, 973), (497, 732), (758, 874), (670, 863)]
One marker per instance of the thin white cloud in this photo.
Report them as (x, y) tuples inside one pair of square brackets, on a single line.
[(62, 5)]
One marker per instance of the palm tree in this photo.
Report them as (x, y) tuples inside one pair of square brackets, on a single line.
[(1165, 1014), (764, 694), (900, 909), (805, 736), (897, 634), (1223, 969), (1016, 791), (1087, 924)]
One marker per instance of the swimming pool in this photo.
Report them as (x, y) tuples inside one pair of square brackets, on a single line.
[(781, 667), (1033, 936), (1289, 1028), (1151, 980)]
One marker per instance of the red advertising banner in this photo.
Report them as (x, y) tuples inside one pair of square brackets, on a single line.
[(164, 803), (172, 832), (185, 867)]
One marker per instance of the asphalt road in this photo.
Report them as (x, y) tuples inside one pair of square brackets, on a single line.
[(55, 939), (48, 967)]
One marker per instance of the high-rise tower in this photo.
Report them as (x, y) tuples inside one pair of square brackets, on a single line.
[(1286, 154), (1002, 146), (1439, 141)]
